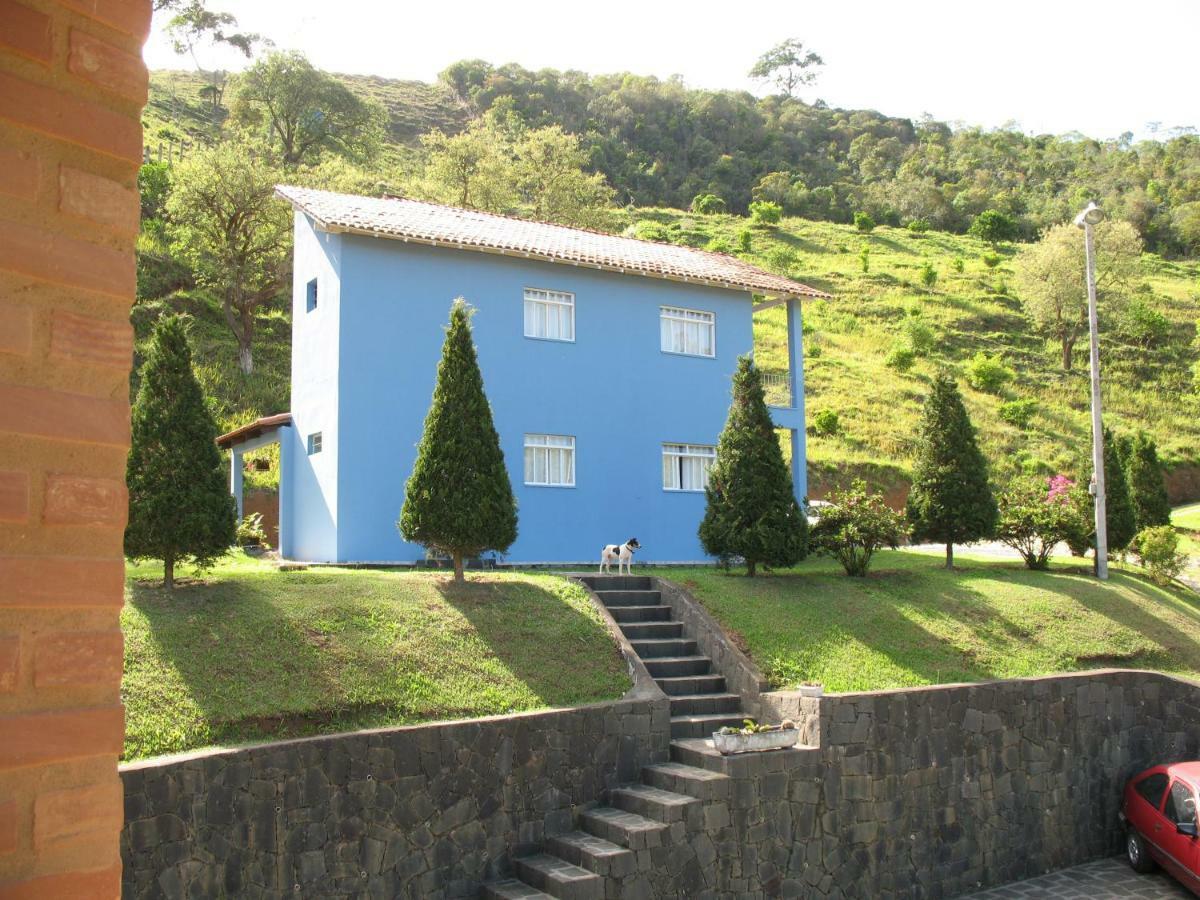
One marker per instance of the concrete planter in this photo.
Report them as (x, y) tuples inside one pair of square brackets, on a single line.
[(810, 690), (761, 740)]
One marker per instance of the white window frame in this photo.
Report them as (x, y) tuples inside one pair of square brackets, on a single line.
[(668, 315), (315, 443), (673, 456), (546, 445), (547, 301)]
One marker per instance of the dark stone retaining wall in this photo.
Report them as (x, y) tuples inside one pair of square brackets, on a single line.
[(426, 811)]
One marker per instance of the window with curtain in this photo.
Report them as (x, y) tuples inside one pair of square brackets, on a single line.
[(550, 460), (688, 331), (549, 315), (685, 466)]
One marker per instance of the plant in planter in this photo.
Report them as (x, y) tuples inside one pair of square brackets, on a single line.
[(810, 688), (251, 533), (755, 736)]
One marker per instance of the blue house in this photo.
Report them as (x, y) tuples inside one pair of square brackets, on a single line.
[(607, 361)]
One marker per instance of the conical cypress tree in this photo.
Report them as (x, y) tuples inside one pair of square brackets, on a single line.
[(1122, 523), (951, 501), (1147, 489), (458, 499), (179, 502), (752, 511)]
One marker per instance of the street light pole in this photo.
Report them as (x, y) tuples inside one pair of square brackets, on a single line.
[(1086, 220)]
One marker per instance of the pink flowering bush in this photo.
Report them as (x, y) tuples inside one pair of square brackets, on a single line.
[(1037, 513)]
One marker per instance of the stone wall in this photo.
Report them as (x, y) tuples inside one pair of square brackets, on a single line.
[(425, 811)]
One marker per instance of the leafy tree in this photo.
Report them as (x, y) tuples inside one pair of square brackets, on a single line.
[(951, 500), (994, 226), (469, 169), (854, 525), (752, 511), (154, 186), (1035, 515), (550, 177), (1051, 278), (458, 499), (1185, 221), (1147, 489), (307, 111), (228, 225), (708, 204), (789, 66), (180, 507), (765, 213)]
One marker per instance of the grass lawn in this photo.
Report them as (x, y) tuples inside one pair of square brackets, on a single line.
[(911, 622), (246, 653)]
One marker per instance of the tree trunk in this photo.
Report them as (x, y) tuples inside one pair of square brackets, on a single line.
[(245, 359), (1068, 351), (169, 573), (458, 568), (750, 565), (949, 556)]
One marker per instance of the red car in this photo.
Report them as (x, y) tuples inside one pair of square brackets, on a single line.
[(1159, 815)]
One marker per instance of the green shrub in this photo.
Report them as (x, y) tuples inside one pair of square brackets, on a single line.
[(744, 240), (988, 373), (826, 423), (918, 226), (863, 222), (1036, 514), (250, 531), (764, 212), (1157, 549), (781, 259), (900, 358), (991, 259), (928, 274), (154, 185), (854, 525), (958, 265), (1143, 323), (648, 230), (708, 204), (993, 226), (718, 244), (864, 258), (1018, 412), (919, 336)]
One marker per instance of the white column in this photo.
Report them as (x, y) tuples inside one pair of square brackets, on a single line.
[(235, 478)]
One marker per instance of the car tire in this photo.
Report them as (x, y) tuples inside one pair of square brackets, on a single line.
[(1137, 854)]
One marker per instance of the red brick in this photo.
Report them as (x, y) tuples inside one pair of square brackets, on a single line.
[(10, 662), (61, 582), (85, 658), (94, 883), (98, 199), (70, 118), (69, 417), (35, 739), (89, 340), (77, 812), (14, 496), (20, 175), (71, 500), (16, 329), (26, 30), (108, 66), (8, 827), (129, 16), (64, 260)]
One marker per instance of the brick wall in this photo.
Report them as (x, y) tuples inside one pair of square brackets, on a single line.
[(72, 85)]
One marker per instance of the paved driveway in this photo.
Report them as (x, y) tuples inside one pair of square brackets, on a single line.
[(1106, 879)]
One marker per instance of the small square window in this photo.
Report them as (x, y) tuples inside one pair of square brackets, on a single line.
[(314, 443), (312, 295), (549, 315)]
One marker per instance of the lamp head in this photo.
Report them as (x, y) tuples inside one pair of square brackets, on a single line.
[(1091, 215)]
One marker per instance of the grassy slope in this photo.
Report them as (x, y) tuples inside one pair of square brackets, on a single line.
[(912, 623), (253, 654)]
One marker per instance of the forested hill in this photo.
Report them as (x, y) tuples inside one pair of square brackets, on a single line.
[(661, 143)]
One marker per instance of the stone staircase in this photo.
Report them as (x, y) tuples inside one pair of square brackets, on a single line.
[(619, 849)]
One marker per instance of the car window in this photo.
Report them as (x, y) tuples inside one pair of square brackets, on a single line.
[(1152, 788), (1181, 805)]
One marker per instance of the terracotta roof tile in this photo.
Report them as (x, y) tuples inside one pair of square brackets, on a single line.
[(432, 223)]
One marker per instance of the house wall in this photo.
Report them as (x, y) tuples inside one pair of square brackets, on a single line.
[(72, 86), (613, 389), (311, 483)]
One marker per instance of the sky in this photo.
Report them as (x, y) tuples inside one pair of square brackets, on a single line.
[(1100, 67)]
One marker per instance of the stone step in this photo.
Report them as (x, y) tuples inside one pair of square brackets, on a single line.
[(656, 648), (625, 828), (692, 685), (658, 613), (559, 878), (673, 667), (702, 725), (703, 704), (594, 854), (511, 889), (653, 803), (644, 631), (698, 753), (629, 598), (618, 582), (684, 779), (701, 754)]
